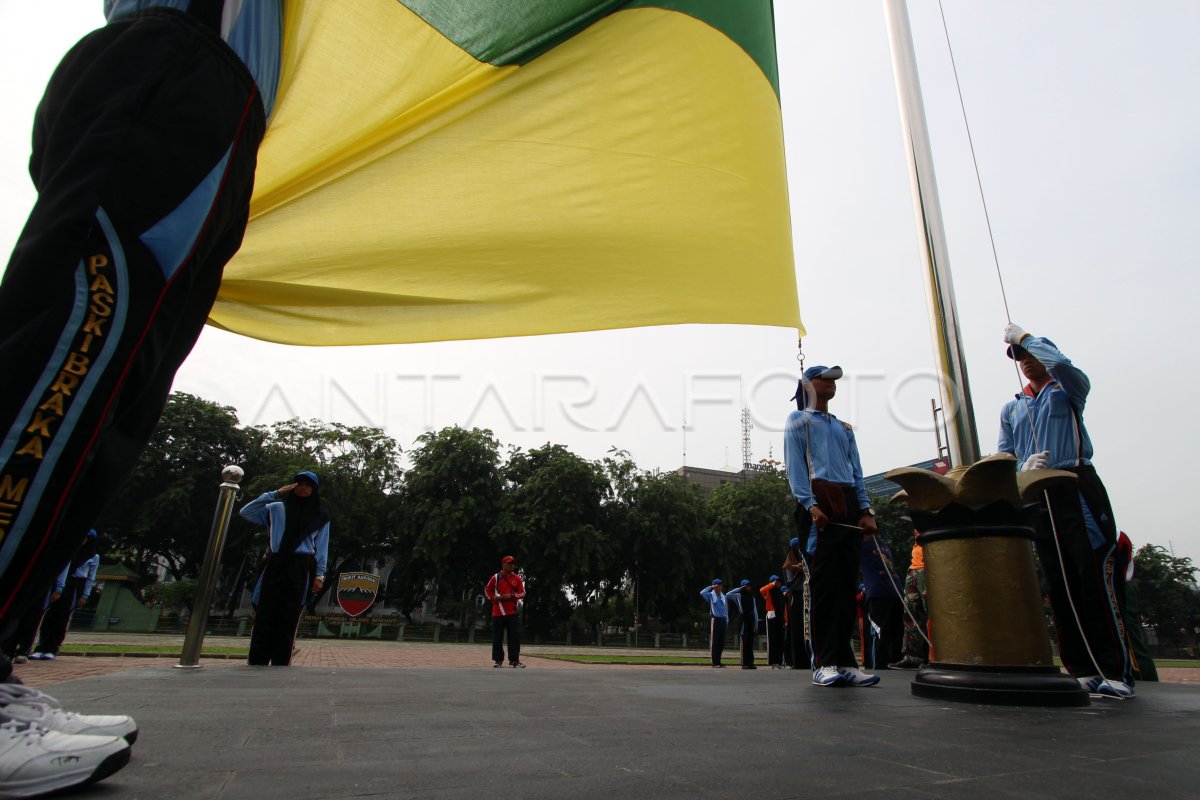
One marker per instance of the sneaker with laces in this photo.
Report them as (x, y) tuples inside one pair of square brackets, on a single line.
[(856, 677), (1109, 687), (517, 665), (905, 663), (25, 704), (35, 761), (827, 676)]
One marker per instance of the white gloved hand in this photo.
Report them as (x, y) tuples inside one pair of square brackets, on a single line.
[(1013, 334), (1037, 461)]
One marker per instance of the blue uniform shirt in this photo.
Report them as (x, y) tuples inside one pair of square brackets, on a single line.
[(817, 445), (1056, 411), (717, 605), (269, 510), (252, 28), (742, 599), (86, 570)]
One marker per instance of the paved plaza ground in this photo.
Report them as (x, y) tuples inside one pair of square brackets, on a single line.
[(401, 720)]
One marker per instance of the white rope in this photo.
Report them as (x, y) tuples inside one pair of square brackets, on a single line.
[(889, 567), (1016, 366)]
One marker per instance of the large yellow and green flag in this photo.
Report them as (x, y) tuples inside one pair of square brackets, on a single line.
[(460, 169)]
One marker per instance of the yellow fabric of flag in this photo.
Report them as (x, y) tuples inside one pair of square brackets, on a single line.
[(630, 175)]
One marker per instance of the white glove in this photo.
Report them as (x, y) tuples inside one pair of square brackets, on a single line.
[(1037, 461), (1013, 334)]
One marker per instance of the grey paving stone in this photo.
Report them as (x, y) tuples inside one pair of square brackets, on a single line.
[(308, 733)]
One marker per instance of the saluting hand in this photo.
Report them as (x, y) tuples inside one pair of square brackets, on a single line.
[(285, 489)]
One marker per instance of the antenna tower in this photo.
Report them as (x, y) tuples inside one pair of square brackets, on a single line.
[(747, 453)]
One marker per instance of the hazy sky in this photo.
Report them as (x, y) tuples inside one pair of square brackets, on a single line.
[(1085, 119)]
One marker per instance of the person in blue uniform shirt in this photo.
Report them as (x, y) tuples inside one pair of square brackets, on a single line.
[(298, 526), (885, 610), (743, 598), (825, 475), (71, 591), (1043, 427), (796, 575), (718, 612)]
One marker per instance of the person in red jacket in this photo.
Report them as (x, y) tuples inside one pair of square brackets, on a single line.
[(773, 596), (505, 589)]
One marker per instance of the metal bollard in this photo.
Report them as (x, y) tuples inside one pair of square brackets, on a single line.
[(227, 494)]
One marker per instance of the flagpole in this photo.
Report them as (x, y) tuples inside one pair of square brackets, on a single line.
[(955, 389), (194, 640)]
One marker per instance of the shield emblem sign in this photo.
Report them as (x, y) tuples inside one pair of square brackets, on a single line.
[(356, 591)]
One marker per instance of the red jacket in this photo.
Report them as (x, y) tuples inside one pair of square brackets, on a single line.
[(509, 584)]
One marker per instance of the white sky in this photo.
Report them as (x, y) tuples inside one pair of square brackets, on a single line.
[(1085, 120)]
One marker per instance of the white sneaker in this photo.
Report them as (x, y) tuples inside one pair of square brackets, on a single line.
[(1098, 684), (827, 676), (35, 761), (856, 677), (24, 704)]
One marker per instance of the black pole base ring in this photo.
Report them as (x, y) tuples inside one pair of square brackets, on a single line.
[(998, 686)]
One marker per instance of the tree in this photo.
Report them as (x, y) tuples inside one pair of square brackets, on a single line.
[(896, 528), (448, 506), (751, 524), (1167, 594), (163, 513), (550, 515), (666, 545)]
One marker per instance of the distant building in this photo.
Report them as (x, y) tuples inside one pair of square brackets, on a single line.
[(710, 479), (879, 485)]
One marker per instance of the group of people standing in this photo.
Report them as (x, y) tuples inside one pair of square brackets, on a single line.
[(1077, 539), (47, 622)]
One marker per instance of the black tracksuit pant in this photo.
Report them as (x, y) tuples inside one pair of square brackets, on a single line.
[(775, 640), (1091, 579), (144, 149), (57, 619), (888, 647), (746, 633), (285, 585), (509, 624), (716, 638), (833, 589)]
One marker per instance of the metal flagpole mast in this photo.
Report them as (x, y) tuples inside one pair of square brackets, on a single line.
[(962, 437)]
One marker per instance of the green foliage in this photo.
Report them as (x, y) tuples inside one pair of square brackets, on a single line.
[(163, 513), (174, 596), (1167, 595), (666, 546), (751, 525), (550, 519), (447, 507), (896, 528)]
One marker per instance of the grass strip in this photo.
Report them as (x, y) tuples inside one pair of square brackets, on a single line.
[(603, 658), (148, 650)]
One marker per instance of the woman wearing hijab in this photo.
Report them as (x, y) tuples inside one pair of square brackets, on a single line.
[(298, 527)]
